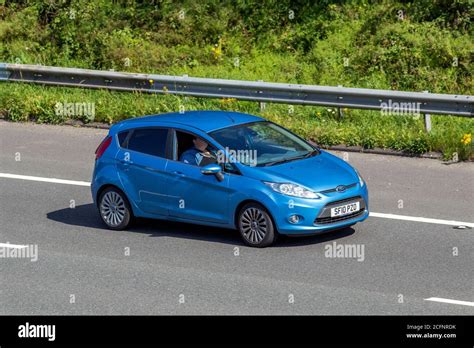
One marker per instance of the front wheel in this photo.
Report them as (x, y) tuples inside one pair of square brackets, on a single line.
[(256, 226), (114, 209)]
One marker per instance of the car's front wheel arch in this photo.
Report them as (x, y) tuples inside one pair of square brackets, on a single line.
[(256, 225), (243, 204)]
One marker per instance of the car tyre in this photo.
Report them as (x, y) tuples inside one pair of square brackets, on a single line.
[(256, 226), (114, 209)]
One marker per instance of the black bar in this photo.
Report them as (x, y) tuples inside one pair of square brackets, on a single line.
[(224, 330)]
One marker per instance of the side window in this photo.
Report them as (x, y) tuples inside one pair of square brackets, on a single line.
[(151, 141), (194, 150), (187, 151), (121, 137)]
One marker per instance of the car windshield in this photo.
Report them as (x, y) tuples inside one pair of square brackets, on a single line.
[(262, 144)]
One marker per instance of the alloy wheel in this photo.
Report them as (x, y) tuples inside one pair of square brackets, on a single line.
[(112, 209), (254, 225)]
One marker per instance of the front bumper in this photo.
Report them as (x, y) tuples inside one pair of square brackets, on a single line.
[(314, 214)]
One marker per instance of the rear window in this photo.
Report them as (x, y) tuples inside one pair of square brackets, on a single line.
[(151, 141), (121, 137)]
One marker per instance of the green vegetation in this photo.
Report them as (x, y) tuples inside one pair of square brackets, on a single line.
[(403, 45)]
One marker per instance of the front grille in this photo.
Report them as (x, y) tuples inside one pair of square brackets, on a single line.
[(325, 216)]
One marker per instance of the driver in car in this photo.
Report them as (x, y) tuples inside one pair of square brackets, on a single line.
[(198, 155)]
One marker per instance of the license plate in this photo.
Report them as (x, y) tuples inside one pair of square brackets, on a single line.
[(345, 209)]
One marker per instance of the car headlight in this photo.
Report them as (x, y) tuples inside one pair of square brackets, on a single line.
[(292, 190), (361, 181)]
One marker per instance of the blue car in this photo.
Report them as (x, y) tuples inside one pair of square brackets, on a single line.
[(224, 169)]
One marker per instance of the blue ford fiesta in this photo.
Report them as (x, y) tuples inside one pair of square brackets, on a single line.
[(224, 169)]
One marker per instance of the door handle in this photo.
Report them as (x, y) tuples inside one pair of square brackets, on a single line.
[(177, 172), (125, 163)]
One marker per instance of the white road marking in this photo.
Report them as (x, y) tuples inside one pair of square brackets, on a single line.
[(12, 246), (447, 300), (422, 219), (373, 214), (38, 178)]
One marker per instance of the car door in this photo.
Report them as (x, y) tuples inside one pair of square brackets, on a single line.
[(142, 166), (193, 195)]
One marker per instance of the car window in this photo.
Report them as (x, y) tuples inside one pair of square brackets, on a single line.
[(121, 137), (151, 141), (262, 144), (187, 152)]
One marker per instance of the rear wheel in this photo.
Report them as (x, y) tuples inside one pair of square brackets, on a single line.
[(256, 226), (114, 209)]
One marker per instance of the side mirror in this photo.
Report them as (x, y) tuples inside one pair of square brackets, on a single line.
[(213, 169)]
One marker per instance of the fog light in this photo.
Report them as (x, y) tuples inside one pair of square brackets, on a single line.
[(294, 219)]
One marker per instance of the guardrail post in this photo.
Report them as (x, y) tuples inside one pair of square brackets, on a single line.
[(261, 104), (427, 118), (339, 110)]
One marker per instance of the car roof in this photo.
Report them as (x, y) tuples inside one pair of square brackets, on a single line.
[(206, 121)]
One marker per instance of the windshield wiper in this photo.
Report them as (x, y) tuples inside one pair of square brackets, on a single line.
[(285, 160), (312, 153)]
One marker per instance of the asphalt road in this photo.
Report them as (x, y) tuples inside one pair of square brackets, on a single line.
[(79, 261)]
